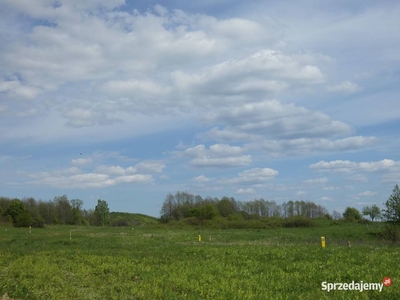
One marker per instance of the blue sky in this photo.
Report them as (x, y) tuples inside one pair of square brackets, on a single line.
[(130, 100)]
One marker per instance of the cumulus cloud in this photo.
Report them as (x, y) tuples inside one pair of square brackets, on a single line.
[(81, 161), (272, 119), (280, 129), (253, 176), (316, 181), (216, 156), (387, 168), (103, 176), (153, 166), (150, 166), (135, 87), (307, 145), (14, 88), (201, 179), (265, 71), (367, 194), (245, 191), (346, 87), (81, 117), (346, 166), (301, 193), (358, 177)]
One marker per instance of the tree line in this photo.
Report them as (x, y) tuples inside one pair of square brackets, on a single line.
[(185, 205), (30, 212)]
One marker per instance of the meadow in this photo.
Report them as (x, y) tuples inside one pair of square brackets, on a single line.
[(162, 262)]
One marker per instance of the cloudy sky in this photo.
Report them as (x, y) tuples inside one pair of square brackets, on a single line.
[(130, 100)]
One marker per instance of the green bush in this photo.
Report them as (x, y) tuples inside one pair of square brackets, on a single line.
[(364, 221), (337, 222), (272, 222), (298, 221), (195, 221), (24, 219), (236, 217), (85, 222), (391, 232)]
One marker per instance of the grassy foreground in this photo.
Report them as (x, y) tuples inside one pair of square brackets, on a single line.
[(166, 263)]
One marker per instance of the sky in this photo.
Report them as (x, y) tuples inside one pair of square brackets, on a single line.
[(127, 101)]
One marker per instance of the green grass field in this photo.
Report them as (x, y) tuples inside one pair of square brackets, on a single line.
[(159, 262)]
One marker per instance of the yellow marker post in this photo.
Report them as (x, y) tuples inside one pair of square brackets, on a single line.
[(322, 242), (70, 235), (199, 238), (30, 229)]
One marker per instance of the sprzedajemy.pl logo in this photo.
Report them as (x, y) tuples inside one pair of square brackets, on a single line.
[(356, 286)]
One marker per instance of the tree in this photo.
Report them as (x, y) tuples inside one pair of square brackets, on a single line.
[(102, 212), (225, 207), (351, 213), (14, 209), (63, 209), (392, 211), (371, 211), (24, 219), (76, 213), (208, 212), (336, 215)]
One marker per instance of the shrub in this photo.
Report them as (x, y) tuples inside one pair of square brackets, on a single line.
[(337, 222), (24, 219), (272, 222), (391, 232), (352, 213), (119, 222), (236, 217), (364, 221), (298, 221), (195, 221)]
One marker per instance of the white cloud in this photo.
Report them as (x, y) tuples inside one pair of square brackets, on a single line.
[(342, 166), (325, 198), (80, 117), (102, 176), (81, 161), (135, 87), (329, 188), (14, 88), (358, 177), (217, 156), (309, 145), (153, 166), (114, 170), (221, 162), (253, 176), (264, 71), (28, 113), (346, 87), (245, 191), (280, 129), (367, 194), (3, 108), (63, 180), (323, 180), (346, 166), (272, 119), (201, 179), (137, 178), (301, 193)]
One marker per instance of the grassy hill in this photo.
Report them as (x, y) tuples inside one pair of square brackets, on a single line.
[(131, 219)]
